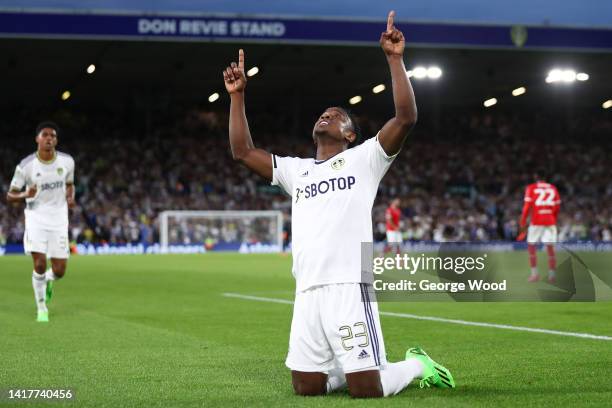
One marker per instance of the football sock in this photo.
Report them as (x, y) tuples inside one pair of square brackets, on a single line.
[(394, 377), (40, 286), (336, 380), (552, 260), (49, 275), (534, 271), (533, 258)]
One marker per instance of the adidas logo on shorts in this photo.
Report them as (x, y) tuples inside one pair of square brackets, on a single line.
[(363, 354)]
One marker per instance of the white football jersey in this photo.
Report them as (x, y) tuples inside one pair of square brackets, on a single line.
[(331, 211), (48, 209)]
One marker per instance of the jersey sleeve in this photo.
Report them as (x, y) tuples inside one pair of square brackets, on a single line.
[(284, 170), (377, 159), (19, 179), (70, 173)]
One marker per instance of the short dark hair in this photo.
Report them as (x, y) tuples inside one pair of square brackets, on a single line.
[(354, 124), (47, 124)]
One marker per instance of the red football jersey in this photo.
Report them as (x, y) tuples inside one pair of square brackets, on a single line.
[(542, 201), (392, 216)]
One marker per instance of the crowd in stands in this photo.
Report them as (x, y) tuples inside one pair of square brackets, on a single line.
[(460, 180)]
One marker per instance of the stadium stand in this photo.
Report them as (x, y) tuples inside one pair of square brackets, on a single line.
[(460, 181)]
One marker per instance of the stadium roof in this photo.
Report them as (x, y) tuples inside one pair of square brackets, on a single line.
[(36, 72)]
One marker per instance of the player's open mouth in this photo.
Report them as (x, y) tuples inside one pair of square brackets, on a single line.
[(323, 123)]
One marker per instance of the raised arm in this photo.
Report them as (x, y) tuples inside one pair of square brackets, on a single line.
[(241, 143), (393, 134)]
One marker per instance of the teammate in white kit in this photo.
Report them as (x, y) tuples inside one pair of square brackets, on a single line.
[(48, 179), (336, 338)]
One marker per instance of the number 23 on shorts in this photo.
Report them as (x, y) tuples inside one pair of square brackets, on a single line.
[(358, 333)]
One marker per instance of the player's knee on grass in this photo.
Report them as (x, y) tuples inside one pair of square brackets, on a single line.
[(58, 266), (309, 384), (365, 384), (40, 263)]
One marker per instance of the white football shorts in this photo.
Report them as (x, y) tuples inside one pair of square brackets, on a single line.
[(336, 326), (394, 237), (546, 234), (53, 243)]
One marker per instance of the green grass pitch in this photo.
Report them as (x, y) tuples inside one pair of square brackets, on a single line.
[(155, 331)]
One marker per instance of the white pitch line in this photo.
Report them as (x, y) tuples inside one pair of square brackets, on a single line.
[(257, 298), (443, 320)]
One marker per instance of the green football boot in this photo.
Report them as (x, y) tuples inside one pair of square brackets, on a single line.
[(42, 317), (49, 292), (433, 373)]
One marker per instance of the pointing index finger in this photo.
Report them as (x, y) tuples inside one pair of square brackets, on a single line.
[(390, 20), (241, 59)]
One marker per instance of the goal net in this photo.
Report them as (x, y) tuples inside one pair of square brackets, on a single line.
[(244, 231)]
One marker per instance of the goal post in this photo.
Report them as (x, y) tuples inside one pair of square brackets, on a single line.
[(224, 230)]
